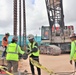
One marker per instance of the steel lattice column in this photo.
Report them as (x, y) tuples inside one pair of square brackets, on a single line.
[(20, 26), (55, 14), (24, 24), (24, 21), (62, 16), (15, 17)]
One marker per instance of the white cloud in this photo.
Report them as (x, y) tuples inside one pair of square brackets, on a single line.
[(36, 15), (6, 16), (3, 10)]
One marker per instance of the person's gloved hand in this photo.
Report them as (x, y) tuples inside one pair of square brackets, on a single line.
[(25, 56), (20, 56), (27, 51), (34, 50), (70, 61)]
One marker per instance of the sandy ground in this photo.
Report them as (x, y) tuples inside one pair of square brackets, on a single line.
[(56, 63)]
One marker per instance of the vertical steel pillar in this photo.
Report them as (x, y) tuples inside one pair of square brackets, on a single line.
[(15, 18), (20, 22), (24, 24), (62, 16)]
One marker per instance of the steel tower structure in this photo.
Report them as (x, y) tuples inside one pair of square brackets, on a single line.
[(20, 25), (15, 18), (20, 21), (55, 13), (24, 24)]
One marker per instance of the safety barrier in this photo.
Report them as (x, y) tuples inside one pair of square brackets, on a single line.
[(3, 69), (35, 63), (50, 72)]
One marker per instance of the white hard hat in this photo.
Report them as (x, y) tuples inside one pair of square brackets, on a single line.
[(15, 38), (73, 35), (30, 36)]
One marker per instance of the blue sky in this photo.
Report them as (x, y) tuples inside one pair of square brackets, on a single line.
[(36, 15)]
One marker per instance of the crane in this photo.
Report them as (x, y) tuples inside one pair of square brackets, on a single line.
[(52, 34), (58, 36), (55, 13)]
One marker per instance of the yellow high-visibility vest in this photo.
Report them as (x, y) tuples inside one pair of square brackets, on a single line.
[(30, 48), (12, 52)]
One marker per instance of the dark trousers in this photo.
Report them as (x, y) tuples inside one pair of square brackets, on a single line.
[(4, 52), (75, 65), (32, 67), (12, 63)]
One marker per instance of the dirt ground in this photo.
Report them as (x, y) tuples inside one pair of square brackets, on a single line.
[(56, 63)]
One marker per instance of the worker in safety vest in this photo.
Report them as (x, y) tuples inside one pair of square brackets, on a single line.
[(4, 44), (12, 56), (73, 48), (34, 53)]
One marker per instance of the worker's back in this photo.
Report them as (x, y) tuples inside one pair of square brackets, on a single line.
[(12, 52)]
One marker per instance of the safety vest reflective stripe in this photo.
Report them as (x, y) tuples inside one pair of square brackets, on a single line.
[(32, 46), (35, 46), (12, 52), (15, 51), (34, 53)]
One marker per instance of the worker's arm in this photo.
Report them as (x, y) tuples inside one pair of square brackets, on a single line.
[(7, 49), (72, 50), (28, 48), (4, 41), (20, 51)]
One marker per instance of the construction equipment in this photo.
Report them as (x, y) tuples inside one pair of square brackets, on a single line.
[(18, 18), (56, 33), (63, 41)]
